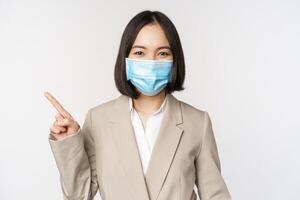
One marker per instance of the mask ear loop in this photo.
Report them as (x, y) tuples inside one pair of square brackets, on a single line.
[(170, 79)]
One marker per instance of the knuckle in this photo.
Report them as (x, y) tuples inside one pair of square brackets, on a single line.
[(56, 127), (56, 130), (61, 128), (59, 123)]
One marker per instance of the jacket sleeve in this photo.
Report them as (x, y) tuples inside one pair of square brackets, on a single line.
[(75, 160), (209, 181)]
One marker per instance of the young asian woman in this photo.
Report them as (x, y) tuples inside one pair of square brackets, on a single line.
[(145, 144)]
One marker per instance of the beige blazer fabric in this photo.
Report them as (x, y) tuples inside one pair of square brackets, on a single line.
[(104, 155)]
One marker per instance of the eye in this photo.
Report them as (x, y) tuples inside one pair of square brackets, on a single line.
[(138, 53), (163, 53)]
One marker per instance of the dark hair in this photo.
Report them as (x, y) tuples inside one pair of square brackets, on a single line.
[(129, 35)]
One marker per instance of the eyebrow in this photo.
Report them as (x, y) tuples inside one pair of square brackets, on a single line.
[(143, 47)]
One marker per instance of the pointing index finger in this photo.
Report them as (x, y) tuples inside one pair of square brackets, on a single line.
[(57, 105)]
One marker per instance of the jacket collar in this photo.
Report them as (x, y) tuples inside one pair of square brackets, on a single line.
[(146, 187)]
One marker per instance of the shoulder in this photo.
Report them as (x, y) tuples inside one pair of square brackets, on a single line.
[(192, 112), (102, 110), (103, 106)]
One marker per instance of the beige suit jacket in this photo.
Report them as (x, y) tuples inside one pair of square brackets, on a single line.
[(104, 155)]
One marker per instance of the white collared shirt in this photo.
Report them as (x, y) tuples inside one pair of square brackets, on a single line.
[(146, 139)]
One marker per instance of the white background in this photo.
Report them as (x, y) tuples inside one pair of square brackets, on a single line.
[(242, 66)]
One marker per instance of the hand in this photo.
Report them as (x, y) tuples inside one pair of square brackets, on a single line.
[(64, 124)]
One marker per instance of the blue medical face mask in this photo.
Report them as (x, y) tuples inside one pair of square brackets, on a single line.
[(149, 76)]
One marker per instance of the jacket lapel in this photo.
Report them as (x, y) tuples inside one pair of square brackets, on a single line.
[(146, 187), (165, 147)]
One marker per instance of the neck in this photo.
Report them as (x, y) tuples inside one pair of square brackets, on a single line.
[(149, 104)]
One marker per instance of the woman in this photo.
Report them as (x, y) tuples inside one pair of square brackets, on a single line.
[(144, 144)]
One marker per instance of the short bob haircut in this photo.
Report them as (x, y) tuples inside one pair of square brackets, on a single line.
[(129, 35)]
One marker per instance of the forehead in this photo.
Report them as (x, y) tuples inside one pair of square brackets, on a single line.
[(151, 35)]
